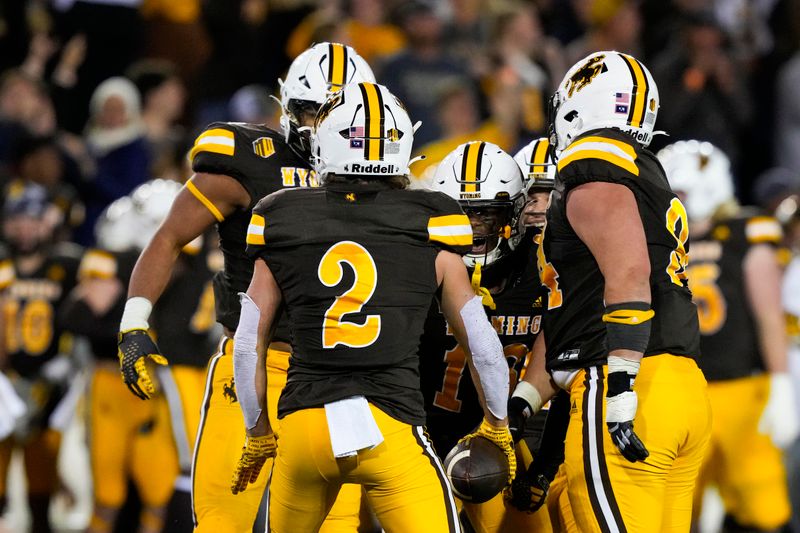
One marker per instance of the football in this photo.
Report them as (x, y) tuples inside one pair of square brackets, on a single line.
[(478, 470)]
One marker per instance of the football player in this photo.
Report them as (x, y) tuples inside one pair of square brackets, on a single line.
[(38, 278), (152, 447), (234, 165), (735, 278), (358, 288), (488, 185), (622, 331)]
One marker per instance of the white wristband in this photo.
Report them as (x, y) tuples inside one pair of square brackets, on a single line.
[(137, 311), (620, 364), (528, 392)]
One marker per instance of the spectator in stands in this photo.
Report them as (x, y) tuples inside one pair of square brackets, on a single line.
[(252, 104), (163, 97), (703, 87), (613, 25), (116, 138), (418, 75)]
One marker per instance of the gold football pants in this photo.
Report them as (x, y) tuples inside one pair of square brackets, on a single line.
[(218, 447), (609, 493), (129, 438), (497, 516), (743, 463), (561, 518), (402, 477)]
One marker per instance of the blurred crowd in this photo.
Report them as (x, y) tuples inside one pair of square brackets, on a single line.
[(97, 97)]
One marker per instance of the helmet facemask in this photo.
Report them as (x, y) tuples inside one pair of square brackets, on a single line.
[(495, 229)]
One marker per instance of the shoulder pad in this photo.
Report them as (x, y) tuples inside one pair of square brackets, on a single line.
[(258, 219), (7, 273), (224, 145), (98, 264), (598, 156), (448, 226)]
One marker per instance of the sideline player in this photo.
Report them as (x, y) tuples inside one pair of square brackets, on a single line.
[(358, 288), (622, 331), (152, 447), (488, 185), (235, 165), (735, 277), (38, 278)]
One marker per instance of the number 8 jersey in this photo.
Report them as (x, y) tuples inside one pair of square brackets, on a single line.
[(356, 267), (573, 326)]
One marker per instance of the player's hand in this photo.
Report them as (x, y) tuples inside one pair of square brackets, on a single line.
[(501, 436), (620, 412), (516, 417), (527, 493), (255, 452), (134, 348), (780, 419)]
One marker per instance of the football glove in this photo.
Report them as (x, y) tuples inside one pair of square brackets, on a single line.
[(255, 452), (134, 348), (620, 412), (779, 419), (527, 493), (501, 437)]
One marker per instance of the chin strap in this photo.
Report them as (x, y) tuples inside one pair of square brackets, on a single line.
[(483, 292)]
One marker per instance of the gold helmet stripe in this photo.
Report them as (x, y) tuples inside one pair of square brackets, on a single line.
[(539, 158), (337, 66), (641, 88), (471, 166), (374, 120)]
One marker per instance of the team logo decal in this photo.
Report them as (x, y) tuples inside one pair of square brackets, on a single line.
[(263, 147), (229, 392), (586, 73)]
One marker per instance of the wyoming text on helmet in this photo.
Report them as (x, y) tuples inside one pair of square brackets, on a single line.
[(604, 90), (362, 130), (487, 183), (313, 76)]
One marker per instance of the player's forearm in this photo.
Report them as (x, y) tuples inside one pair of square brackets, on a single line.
[(537, 376), (154, 268), (773, 342)]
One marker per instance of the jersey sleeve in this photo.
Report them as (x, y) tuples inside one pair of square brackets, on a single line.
[(763, 229), (597, 158), (447, 226), (97, 264), (223, 148), (256, 239)]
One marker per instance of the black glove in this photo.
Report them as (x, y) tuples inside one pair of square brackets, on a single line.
[(528, 493), (621, 405), (518, 410), (134, 347)]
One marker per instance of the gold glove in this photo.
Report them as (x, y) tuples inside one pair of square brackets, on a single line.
[(500, 436), (255, 452)]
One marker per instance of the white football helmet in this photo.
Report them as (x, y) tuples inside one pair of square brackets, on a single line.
[(604, 90), (702, 172), (362, 130), (487, 183), (313, 76), (131, 221), (535, 160)]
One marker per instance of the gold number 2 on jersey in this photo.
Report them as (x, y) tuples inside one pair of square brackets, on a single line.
[(335, 330), (678, 259)]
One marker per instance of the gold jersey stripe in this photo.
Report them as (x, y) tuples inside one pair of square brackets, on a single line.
[(630, 317), (255, 231), (452, 230), (97, 264), (763, 229), (337, 64), (215, 140), (621, 162), (7, 275), (625, 147), (204, 200), (215, 132), (640, 90)]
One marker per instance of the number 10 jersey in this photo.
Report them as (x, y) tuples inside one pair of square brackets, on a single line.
[(356, 267)]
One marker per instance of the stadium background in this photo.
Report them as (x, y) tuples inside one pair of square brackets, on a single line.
[(727, 71)]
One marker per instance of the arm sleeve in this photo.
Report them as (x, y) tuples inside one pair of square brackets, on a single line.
[(551, 450)]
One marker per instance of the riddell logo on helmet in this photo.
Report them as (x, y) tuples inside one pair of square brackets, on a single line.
[(371, 168)]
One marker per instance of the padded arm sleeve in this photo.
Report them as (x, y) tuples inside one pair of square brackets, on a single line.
[(487, 356), (245, 359)]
